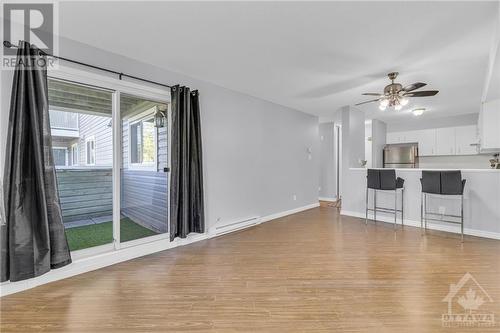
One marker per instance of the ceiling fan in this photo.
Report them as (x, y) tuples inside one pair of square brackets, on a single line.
[(396, 95)]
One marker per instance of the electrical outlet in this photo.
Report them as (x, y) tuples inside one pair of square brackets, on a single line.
[(294, 197)]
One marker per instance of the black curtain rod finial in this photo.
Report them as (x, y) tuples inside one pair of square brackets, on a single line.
[(7, 44)]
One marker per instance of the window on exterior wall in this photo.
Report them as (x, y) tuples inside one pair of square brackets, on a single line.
[(90, 151), (59, 156), (74, 154), (143, 142)]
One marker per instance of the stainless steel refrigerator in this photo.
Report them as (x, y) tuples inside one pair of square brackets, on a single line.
[(403, 155)]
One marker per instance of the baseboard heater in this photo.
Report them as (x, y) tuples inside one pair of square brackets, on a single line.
[(235, 226)]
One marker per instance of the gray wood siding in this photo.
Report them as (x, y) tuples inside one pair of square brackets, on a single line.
[(85, 193), (144, 198), (97, 126)]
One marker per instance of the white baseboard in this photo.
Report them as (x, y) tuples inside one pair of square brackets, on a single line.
[(334, 199), (430, 225), (87, 264), (288, 212)]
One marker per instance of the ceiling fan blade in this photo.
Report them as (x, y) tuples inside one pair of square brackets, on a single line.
[(372, 94), (421, 93), (373, 100), (414, 86)]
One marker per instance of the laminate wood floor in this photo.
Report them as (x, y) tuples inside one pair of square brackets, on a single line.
[(315, 271)]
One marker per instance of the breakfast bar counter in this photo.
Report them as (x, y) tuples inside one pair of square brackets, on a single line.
[(481, 200)]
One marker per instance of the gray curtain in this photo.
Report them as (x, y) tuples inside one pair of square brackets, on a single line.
[(32, 237), (186, 186)]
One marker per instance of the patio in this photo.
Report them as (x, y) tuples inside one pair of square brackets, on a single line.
[(91, 235), (86, 201)]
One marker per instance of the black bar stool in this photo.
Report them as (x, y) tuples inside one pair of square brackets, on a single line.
[(442, 183), (384, 180)]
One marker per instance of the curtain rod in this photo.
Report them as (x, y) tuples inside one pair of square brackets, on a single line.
[(8, 44)]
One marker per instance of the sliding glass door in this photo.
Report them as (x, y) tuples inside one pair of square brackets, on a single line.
[(144, 169), (110, 144), (81, 128)]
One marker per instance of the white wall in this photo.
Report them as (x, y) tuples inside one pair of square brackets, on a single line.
[(368, 144), (379, 134), (327, 169), (355, 137), (255, 153)]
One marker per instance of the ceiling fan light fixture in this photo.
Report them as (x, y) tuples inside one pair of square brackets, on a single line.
[(396, 96), (384, 103), (418, 112)]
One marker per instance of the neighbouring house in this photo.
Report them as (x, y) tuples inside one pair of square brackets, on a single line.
[(82, 145)]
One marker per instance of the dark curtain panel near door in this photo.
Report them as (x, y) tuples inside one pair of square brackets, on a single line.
[(32, 237), (186, 185)]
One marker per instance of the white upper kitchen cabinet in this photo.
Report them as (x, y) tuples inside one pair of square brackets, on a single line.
[(392, 137), (426, 142), (489, 126), (402, 137), (445, 141), (465, 136)]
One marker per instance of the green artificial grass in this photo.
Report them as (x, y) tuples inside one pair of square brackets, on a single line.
[(102, 233)]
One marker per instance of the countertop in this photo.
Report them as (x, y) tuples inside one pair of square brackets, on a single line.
[(420, 169)]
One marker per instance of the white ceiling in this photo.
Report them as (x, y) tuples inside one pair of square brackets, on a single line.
[(311, 56)]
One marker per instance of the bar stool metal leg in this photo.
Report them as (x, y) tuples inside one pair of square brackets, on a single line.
[(402, 206), (425, 211), (421, 212), (462, 216), (395, 207), (366, 217)]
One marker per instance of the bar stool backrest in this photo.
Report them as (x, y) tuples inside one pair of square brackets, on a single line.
[(452, 183), (443, 182), (388, 179), (431, 182), (373, 179)]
